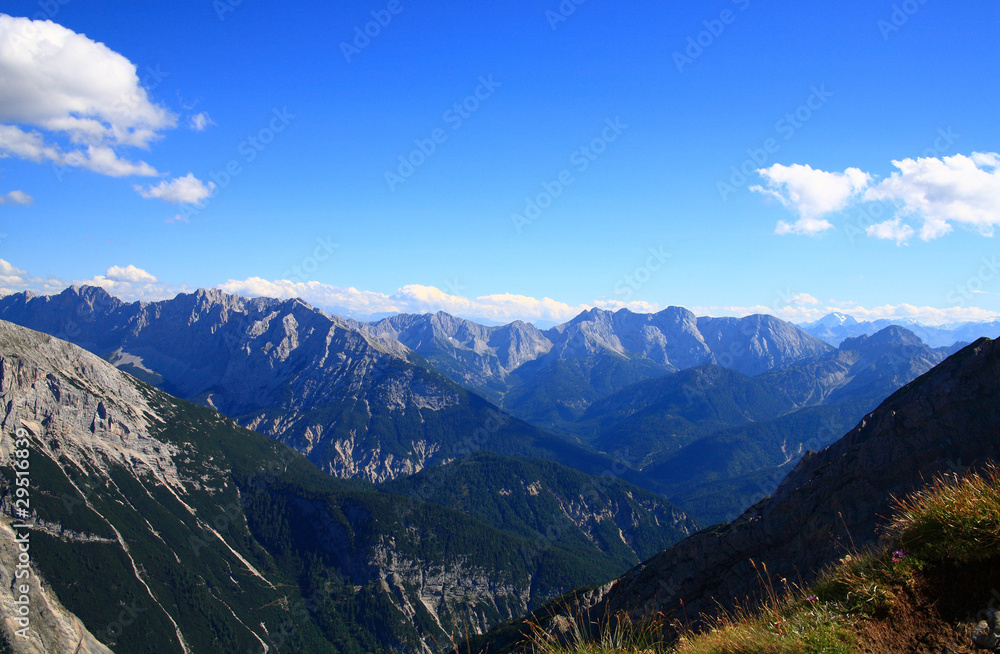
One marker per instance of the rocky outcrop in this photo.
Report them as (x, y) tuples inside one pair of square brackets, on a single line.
[(487, 352), (96, 419)]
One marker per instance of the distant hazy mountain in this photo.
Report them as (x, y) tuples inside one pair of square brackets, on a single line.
[(717, 440), (369, 400), (836, 327), (552, 376), (158, 525), (474, 355), (354, 404)]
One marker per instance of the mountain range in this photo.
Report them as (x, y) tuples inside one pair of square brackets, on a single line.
[(379, 401), (437, 475), (833, 328), (213, 537)]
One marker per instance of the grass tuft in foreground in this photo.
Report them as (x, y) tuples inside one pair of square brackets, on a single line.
[(952, 521)]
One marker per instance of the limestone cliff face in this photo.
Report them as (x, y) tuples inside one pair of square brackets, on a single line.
[(944, 421), (280, 367), (98, 419)]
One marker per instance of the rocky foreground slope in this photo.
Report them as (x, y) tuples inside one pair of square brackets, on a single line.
[(946, 420)]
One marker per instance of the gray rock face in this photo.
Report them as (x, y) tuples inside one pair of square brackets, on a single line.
[(670, 337), (475, 355), (282, 368), (987, 633), (102, 419), (756, 344), (866, 366), (483, 358), (945, 420)]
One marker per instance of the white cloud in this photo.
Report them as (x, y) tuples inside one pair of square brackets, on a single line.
[(804, 226), (803, 299), (129, 274), (9, 270), (413, 298), (180, 190), (199, 122), (13, 279), (103, 160), (635, 306), (16, 197), (893, 230), (128, 283), (131, 283), (963, 190), (811, 193), (86, 97), (937, 192)]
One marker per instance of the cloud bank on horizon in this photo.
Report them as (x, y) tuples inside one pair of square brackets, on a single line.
[(131, 283), (936, 192)]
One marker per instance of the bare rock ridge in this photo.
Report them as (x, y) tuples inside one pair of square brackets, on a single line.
[(343, 393), (673, 339), (946, 420)]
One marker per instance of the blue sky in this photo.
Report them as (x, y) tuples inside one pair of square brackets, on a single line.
[(645, 109)]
